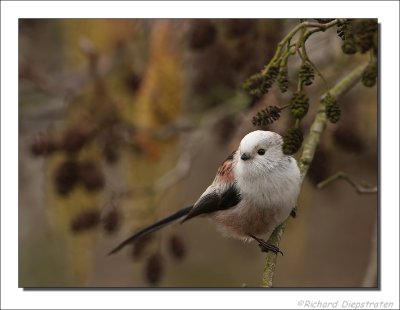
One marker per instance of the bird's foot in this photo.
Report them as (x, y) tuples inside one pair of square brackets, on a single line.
[(265, 246), (293, 213)]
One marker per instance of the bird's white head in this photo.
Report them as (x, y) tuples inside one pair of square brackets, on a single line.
[(260, 151)]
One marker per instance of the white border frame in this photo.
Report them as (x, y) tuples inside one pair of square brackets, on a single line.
[(13, 297)]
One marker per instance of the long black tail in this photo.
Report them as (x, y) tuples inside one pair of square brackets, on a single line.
[(152, 228)]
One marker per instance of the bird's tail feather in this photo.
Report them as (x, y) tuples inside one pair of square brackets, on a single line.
[(152, 228)]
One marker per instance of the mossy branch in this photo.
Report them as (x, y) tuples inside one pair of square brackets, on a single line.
[(309, 147)]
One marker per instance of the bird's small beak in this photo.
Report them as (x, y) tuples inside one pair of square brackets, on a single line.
[(245, 156)]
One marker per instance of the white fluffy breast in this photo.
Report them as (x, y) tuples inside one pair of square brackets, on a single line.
[(277, 187), (270, 179)]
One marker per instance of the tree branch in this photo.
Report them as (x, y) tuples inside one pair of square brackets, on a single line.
[(305, 160), (288, 38), (342, 176)]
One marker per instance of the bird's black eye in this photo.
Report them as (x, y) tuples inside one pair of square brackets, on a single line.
[(261, 151)]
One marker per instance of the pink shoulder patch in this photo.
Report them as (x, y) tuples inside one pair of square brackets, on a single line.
[(225, 172)]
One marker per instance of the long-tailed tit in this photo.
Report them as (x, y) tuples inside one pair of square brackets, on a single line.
[(255, 190)]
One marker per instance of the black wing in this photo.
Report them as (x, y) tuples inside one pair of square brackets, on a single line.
[(215, 202), (156, 226)]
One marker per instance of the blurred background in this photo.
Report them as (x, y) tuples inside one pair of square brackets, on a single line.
[(123, 121)]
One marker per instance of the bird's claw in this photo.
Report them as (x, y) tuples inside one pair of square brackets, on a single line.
[(265, 246), (293, 213)]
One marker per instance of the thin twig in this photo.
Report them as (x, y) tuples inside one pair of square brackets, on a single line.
[(304, 52), (286, 41), (342, 176)]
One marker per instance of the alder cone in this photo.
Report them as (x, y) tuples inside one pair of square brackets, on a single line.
[(85, 220), (91, 176), (154, 269), (176, 247), (66, 177)]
